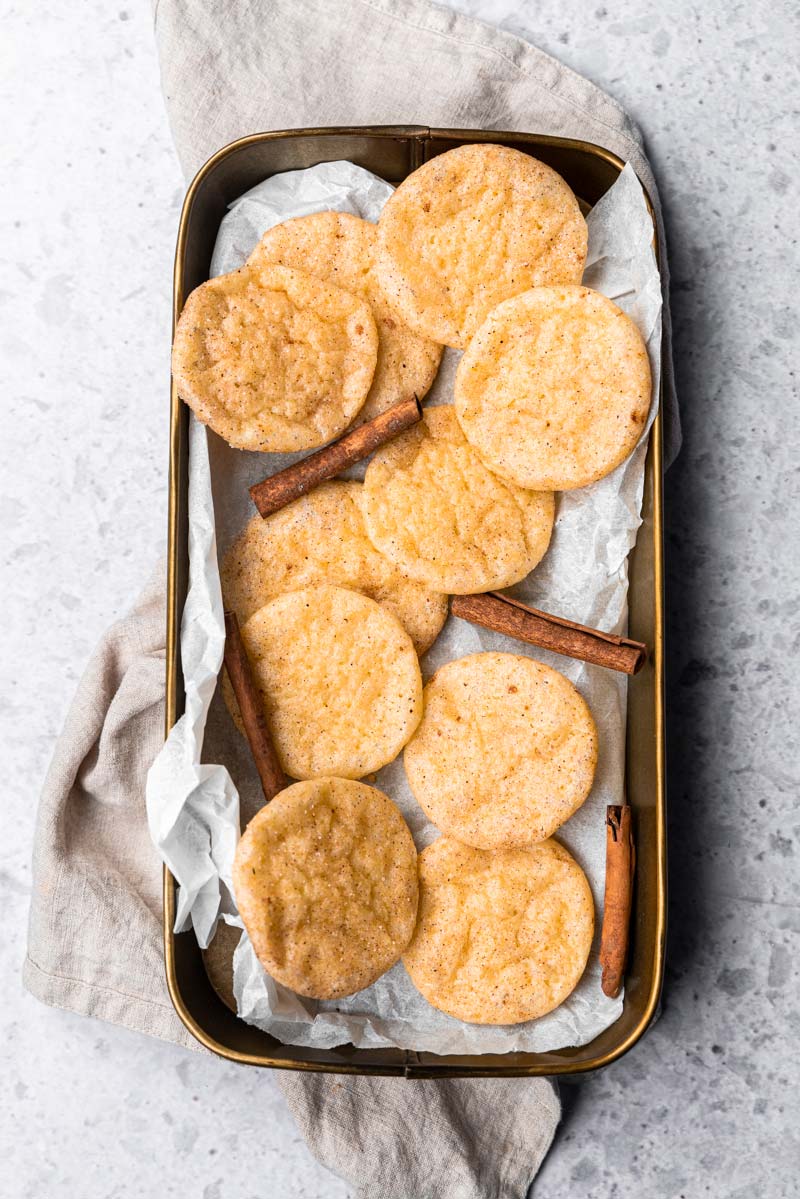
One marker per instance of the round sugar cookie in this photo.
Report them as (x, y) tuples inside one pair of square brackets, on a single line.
[(339, 680), (554, 389), (432, 507), (325, 879), (340, 249), (275, 359), (469, 229), (505, 752), (501, 937), (321, 538)]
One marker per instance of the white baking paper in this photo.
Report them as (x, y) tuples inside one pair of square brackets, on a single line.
[(193, 807)]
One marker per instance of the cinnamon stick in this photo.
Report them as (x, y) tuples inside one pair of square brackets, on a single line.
[(620, 864), (509, 616), (237, 665), (280, 489)]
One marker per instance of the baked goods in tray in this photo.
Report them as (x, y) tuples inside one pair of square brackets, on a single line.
[(274, 359), (331, 322), (339, 680), (321, 538), (501, 937), (505, 752), (554, 388), (325, 879), (433, 508), (471, 228), (340, 249)]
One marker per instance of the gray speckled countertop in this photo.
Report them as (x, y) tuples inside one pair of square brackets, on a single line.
[(707, 1103)]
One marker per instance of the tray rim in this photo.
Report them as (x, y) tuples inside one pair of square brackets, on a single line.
[(420, 133)]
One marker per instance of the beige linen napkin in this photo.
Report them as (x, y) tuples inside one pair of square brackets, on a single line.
[(95, 930)]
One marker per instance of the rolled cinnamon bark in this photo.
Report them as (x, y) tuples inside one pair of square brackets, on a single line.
[(259, 738), (280, 489), (620, 864), (509, 616)]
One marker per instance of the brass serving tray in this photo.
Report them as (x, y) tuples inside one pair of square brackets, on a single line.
[(393, 152)]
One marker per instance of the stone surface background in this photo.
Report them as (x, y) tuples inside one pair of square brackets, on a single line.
[(707, 1104)]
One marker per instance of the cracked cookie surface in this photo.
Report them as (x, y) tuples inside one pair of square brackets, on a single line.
[(501, 937), (554, 389), (274, 359), (339, 680), (434, 509), (321, 538), (325, 879), (505, 752), (340, 249), (469, 229)]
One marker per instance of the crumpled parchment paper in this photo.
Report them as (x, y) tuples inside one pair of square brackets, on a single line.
[(193, 803)]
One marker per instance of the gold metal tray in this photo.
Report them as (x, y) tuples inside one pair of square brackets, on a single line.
[(393, 152)]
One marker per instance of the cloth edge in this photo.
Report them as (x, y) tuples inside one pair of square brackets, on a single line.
[(104, 1003)]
